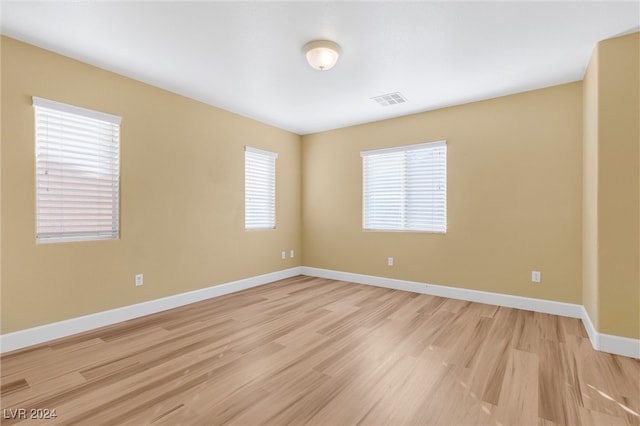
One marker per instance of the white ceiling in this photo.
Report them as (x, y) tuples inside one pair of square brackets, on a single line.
[(246, 57)]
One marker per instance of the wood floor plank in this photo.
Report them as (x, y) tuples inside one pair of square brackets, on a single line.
[(314, 351), (519, 406)]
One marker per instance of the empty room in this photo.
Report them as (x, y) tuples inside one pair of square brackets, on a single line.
[(327, 213)]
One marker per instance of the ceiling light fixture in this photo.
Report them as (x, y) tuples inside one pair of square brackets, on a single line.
[(322, 54)]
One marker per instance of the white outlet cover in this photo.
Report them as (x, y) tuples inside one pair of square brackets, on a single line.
[(284, 255), (139, 279), (291, 253), (390, 261), (535, 276)]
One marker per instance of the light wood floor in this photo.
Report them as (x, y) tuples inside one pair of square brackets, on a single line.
[(314, 351)]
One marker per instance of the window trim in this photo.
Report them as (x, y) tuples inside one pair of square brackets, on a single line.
[(72, 109), (403, 148)]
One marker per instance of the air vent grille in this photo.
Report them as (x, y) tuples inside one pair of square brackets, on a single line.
[(390, 99)]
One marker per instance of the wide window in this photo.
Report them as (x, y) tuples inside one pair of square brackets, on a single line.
[(405, 188), (259, 189), (77, 173)]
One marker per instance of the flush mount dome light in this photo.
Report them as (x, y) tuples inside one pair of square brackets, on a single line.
[(322, 54)]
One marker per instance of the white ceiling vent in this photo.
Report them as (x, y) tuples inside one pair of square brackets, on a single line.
[(390, 99)]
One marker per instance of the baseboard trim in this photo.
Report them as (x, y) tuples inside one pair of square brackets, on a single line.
[(519, 302), (619, 345), (593, 334), (600, 341), (603, 342), (610, 343), (44, 333)]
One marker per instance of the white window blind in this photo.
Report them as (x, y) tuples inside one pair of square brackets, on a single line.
[(405, 188), (259, 189), (77, 173)]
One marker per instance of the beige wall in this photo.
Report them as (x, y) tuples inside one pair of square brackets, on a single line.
[(618, 232), (514, 197), (1, 43), (519, 191), (616, 68), (590, 190), (182, 196)]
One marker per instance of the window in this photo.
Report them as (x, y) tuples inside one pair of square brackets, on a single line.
[(77, 173), (259, 189), (405, 188)]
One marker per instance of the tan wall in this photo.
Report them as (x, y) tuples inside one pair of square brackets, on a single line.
[(590, 191), (1, 43), (514, 197), (182, 196), (618, 177)]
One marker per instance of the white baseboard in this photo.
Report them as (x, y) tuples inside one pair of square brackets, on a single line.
[(619, 345), (610, 343), (56, 330), (603, 342), (32, 336), (591, 330), (519, 302)]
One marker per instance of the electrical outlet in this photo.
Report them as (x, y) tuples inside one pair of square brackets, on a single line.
[(284, 255), (389, 261), (535, 276), (139, 279), (291, 253)]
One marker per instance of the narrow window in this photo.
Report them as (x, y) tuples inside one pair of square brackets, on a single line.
[(405, 188), (259, 189), (77, 173)]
